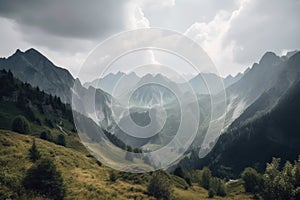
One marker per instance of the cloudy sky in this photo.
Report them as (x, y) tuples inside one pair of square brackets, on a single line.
[(234, 33)]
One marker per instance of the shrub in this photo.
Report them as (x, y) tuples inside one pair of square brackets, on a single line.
[(61, 140), (21, 125), (218, 186), (205, 179), (113, 176), (49, 123), (211, 193), (278, 184), (160, 186), (46, 135), (34, 153), (180, 173), (252, 180), (43, 179)]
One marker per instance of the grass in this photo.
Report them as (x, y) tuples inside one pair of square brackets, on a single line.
[(83, 176), (199, 193)]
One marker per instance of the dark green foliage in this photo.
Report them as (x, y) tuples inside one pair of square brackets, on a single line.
[(180, 173), (129, 148), (252, 180), (276, 183), (256, 141), (49, 123), (61, 140), (10, 184), (38, 121), (134, 178), (113, 176), (34, 153), (188, 180), (206, 177), (20, 124), (115, 140), (137, 150), (29, 113), (297, 172), (31, 101), (98, 163), (211, 193), (160, 185), (44, 179), (218, 186), (297, 193), (46, 135)]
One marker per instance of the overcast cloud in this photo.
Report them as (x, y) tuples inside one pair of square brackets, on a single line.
[(234, 33)]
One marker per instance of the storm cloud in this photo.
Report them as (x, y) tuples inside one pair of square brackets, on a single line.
[(68, 18), (234, 33)]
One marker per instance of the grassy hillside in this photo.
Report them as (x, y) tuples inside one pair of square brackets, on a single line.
[(83, 176)]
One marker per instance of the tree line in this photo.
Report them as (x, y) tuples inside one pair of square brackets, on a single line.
[(277, 182)]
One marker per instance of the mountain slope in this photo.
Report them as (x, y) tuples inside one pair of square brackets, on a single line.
[(268, 99), (200, 82), (275, 134), (82, 174), (272, 71), (108, 82), (34, 68), (84, 177)]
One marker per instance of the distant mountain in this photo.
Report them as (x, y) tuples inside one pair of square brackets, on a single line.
[(229, 80), (275, 134), (198, 82), (289, 54), (205, 81), (288, 75), (108, 82), (43, 111), (259, 133), (34, 68), (256, 81), (152, 94)]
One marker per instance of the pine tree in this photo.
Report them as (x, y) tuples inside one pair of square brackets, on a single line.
[(61, 140), (44, 179), (179, 172), (34, 153), (206, 177)]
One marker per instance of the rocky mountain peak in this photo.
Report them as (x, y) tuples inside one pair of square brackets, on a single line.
[(269, 58)]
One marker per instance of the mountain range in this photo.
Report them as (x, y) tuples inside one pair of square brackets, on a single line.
[(261, 107), (268, 127), (198, 83), (34, 68)]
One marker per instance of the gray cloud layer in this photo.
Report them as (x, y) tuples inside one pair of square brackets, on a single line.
[(184, 13), (68, 18), (235, 33), (264, 25)]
